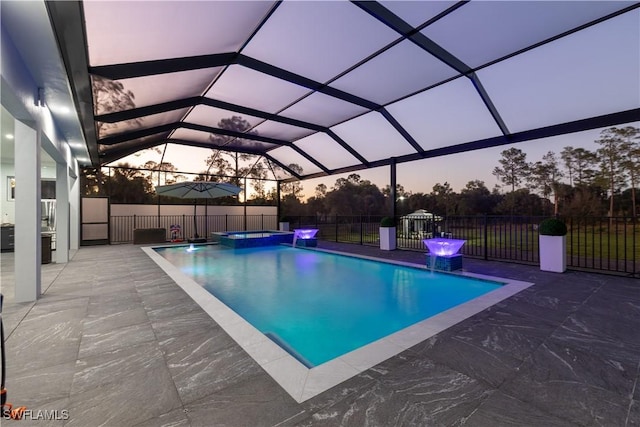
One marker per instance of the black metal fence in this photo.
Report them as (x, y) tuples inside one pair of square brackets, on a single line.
[(602, 243), (180, 227), (593, 243), (359, 229)]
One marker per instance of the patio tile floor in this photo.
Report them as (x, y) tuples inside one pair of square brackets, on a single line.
[(116, 342)]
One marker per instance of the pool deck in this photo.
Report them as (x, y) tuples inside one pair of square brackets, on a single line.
[(116, 342)]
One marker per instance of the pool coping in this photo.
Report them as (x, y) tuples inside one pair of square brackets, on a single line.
[(302, 383)]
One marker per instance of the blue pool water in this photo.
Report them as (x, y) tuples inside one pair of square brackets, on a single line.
[(318, 305)]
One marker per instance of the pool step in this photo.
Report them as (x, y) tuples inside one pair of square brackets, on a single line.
[(286, 347)]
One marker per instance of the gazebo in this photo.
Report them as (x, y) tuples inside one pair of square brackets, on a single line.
[(420, 223)]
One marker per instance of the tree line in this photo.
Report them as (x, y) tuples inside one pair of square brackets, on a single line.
[(578, 181), (575, 182)]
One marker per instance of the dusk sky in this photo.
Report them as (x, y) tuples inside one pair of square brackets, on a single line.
[(584, 74)]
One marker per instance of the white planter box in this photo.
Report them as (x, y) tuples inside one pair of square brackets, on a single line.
[(388, 238), (283, 226), (553, 253)]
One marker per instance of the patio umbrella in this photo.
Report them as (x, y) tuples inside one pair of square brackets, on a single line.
[(198, 190)]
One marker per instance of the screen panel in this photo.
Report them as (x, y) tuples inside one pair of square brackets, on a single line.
[(282, 130), (326, 37), (562, 81), (219, 140), (192, 135), (187, 159), (388, 76), (373, 137), (449, 114), (322, 110), (126, 94), (156, 137), (216, 117), (131, 31), (249, 88), (326, 150), (482, 31), (147, 141), (287, 156), (107, 129), (139, 158)]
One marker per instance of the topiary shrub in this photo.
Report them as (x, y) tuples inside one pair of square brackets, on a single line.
[(387, 222), (552, 227)]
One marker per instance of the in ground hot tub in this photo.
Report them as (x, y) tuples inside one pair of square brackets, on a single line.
[(251, 239)]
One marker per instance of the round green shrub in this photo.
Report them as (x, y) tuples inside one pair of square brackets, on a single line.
[(387, 222), (552, 227)]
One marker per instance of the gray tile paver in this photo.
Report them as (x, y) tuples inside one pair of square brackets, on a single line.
[(123, 345)]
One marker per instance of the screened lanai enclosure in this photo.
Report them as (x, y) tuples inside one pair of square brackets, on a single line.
[(319, 88), (337, 86)]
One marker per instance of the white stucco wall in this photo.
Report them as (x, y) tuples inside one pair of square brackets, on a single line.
[(36, 132)]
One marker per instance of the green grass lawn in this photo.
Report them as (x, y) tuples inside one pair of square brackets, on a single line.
[(516, 241), (584, 241)]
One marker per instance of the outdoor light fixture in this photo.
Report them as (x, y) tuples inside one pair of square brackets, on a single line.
[(305, 237), (444, 247), (39, 102), (306, 233), (443, 253)]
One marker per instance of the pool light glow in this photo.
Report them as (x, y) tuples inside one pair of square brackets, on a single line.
[(305, 233), (444, 247)]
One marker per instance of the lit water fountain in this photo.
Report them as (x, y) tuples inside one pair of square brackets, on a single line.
[(191, 248), (443, 253), (307, 237)]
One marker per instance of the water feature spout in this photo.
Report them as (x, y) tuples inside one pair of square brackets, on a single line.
[(444, 247), (304, 234), (446, 251)]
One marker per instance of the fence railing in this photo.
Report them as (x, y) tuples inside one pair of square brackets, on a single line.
[(188, 225), (593, 243), (358, 229), (602, 243)]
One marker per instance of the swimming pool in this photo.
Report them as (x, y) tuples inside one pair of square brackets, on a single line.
[(319, 306), (344, 314)]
